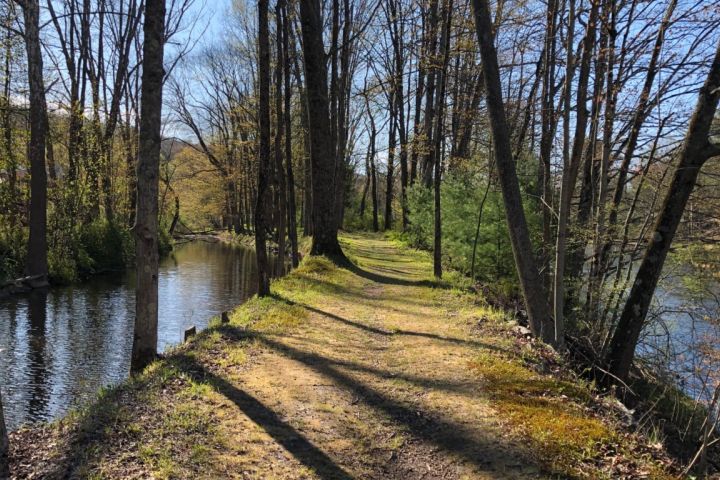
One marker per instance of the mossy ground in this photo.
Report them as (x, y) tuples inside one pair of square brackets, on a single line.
[(376, 371)]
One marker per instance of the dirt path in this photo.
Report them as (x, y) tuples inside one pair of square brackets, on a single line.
[(374, 384), (376, 372)]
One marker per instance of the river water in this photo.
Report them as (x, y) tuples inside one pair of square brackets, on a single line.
[(59, 346)]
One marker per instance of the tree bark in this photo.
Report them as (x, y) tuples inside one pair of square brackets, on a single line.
[(4, 446), (571, 168), (290, 177), (390, 177), (439, 136), (325, 241), (397, 31), (279, 146), (36, 263), (371, 162), (263, 268), (148, 172), (530, 282), (695, 151)]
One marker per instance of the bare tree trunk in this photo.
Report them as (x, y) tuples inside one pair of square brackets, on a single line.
[(6, 123), (419, 91), (695, 152), (431, 39), (148, 172), (390, 177), (397, 33), (530, 281), (439, 135), (366, 186), (36, 263), (4, 446), (571, 168), (263, 268), (548, 128), (279, 128), (371, 162), (325, 241), (290, 177)]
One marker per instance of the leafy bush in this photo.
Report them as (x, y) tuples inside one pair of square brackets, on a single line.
[(12, 253), (108, 246)]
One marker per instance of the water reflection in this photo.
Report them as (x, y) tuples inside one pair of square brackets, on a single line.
[(58, 347)]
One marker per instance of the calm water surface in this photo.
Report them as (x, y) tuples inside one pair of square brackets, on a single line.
[(58, 347)]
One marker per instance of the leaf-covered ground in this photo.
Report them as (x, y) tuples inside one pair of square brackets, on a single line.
[(371, 372)]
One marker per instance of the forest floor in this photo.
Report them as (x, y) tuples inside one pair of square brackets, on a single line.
[(372, 372)]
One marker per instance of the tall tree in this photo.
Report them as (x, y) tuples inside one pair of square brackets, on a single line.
[(530, 281), (325, 240), (264, 149), (438, 136), (148, 173), (572, 164), (290, 177), (36, 263), (280, 173), (696, 150)]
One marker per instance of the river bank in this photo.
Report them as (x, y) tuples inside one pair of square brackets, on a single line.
[(60, 345), (373, 372)]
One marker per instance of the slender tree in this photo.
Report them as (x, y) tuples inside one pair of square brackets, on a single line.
[(572, 165), (530, 282), (264, 149), (696, 150), (280, 173), (438, 136), (148, 173), (290, 176)]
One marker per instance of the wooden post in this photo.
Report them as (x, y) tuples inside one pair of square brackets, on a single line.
[(189, 332)]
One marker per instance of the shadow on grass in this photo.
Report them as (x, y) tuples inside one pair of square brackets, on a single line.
[(465, 388), (101, 426), (378, 278), (390, 333)]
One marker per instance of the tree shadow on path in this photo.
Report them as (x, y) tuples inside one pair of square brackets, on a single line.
[(282, 432)]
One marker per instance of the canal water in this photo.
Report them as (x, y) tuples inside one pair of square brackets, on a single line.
[(59, 346)]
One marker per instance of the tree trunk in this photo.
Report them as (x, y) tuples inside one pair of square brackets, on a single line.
[(431, 51), (325, 241), (366, 186), (263, 268), (279, 146), (438, 136), (397, 33), (530, 282), (148, 172), (371, 163), (390, 178), (4, 446), (290, 177), (695, 152), (571, 168), (36, 263)]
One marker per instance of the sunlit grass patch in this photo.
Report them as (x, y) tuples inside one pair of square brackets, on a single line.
[(553, 416), (547, 411)]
